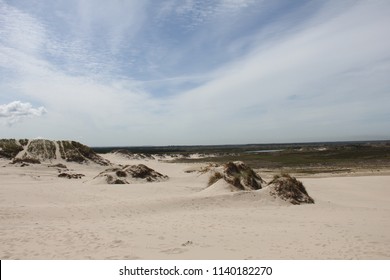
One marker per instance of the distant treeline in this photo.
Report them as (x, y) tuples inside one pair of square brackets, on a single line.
[(209, 149)]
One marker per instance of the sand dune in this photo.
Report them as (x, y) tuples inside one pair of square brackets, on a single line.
[(42, 150), (43, 216)]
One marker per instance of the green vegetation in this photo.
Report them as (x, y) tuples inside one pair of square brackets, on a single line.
[(296, 157), (339, 158), (9, 148)]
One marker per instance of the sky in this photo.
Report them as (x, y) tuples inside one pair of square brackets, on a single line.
[(189, 72)]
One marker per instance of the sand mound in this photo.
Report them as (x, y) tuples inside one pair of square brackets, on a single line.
[(236, 177), (46, 150), (240, 176), (130, 174), (289, 189)]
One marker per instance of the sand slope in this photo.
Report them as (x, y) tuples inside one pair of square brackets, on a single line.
[(46, 217)]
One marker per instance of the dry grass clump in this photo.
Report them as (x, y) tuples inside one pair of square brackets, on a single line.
[(43, 149), (9, 148), (25, 160), (290, 189), (70, 175), (242, 176), (23, 142), (141, 171), (237, 174), (112, 180), (70, 153), (215, 177), (121, 173), (208, 168)]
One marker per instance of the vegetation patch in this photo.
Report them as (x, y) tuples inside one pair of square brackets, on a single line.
[(70, 175), (121, 173), (131, 174), (73, 151), (23, 142), (289, 189), (242, 176), (25, 160), (42, 149), (61, 148), (294, 157), (236, 173), (215, 177), (9, 148)]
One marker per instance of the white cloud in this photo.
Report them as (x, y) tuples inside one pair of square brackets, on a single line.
[(16, 111), (327, 77)]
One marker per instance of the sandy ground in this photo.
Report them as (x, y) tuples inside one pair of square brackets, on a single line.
[(46, 217)]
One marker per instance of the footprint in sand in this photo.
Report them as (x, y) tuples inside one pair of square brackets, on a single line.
[(116, 243), (174, 251)]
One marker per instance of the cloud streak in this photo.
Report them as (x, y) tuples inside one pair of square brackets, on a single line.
[(182, 72)]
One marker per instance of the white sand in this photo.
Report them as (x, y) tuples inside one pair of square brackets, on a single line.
[(46, 217)]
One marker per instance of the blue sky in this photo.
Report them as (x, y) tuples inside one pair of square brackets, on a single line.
[(195, 72)]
